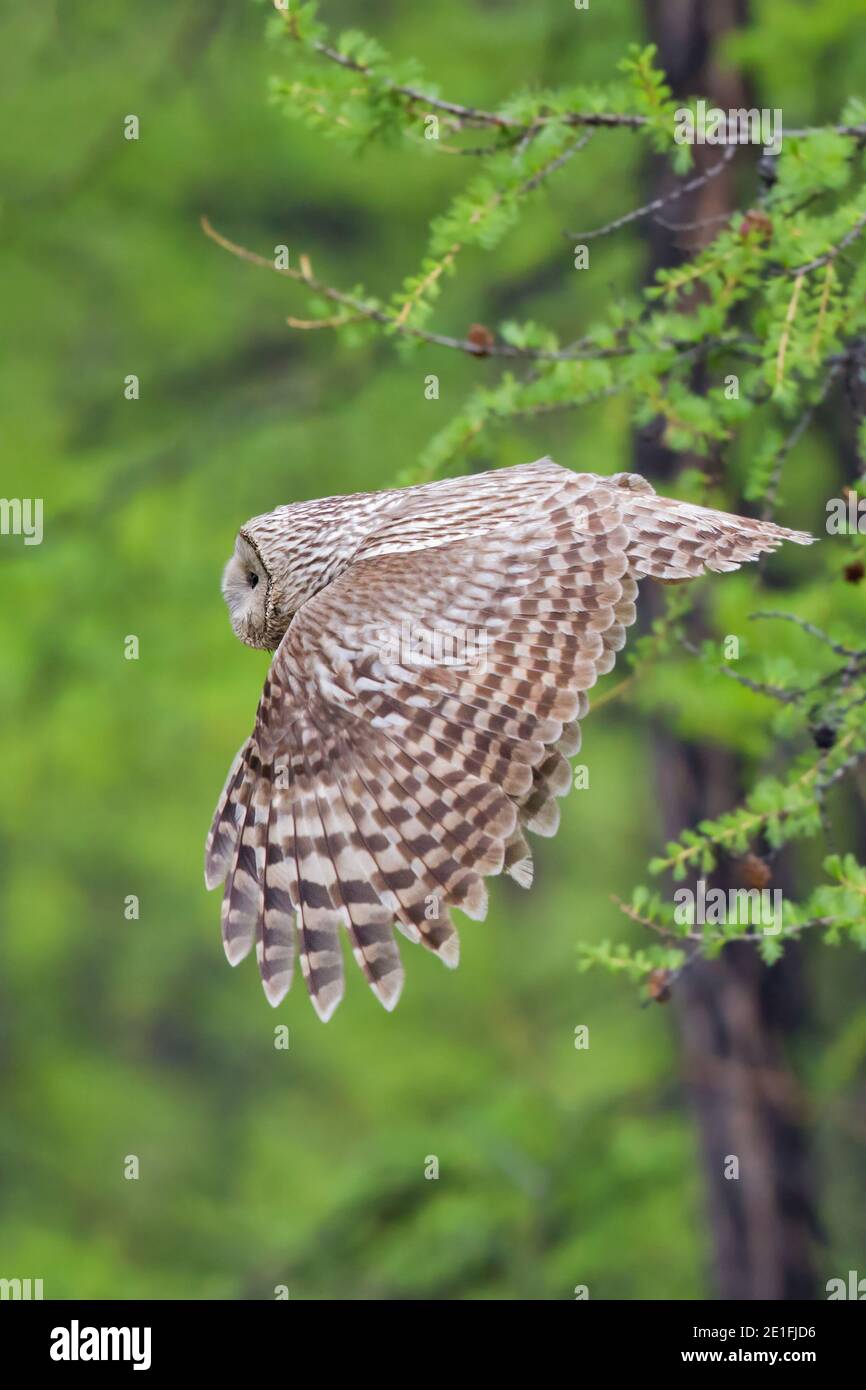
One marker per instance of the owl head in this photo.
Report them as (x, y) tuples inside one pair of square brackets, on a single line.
[(249, 591), (283, 558)]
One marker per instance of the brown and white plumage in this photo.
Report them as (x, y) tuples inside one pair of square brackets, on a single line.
[(379, 790)]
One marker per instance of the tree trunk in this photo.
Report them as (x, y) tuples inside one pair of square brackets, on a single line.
[(735, 1016)]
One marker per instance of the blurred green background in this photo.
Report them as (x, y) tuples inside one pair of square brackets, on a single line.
[(304, 1167)]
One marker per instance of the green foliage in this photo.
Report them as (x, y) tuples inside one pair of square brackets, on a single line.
[(778, 301), (305, 1167)]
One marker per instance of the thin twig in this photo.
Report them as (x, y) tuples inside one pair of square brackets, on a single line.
[(693, 226), (792, 439), (556, 163), (657, 203), (338, 321), (359, 308), (840, 772), (856, 231), (615, 692), (811, 629), (774, 692)]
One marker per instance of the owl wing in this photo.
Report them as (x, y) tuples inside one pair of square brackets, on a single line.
[(673, 540), (415, 721)]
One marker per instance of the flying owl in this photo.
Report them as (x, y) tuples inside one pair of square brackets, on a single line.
[(433, 648)]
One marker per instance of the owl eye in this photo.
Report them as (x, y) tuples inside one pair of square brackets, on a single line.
[(253, 578)]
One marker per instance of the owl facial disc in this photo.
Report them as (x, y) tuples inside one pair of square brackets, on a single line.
[(246, 589)]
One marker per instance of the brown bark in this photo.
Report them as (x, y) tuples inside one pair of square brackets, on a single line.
[(735, 1016)]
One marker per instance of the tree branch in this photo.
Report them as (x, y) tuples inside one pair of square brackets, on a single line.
[(477, 116)]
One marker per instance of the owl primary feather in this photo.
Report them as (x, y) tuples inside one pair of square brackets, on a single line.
[(433, 649)]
